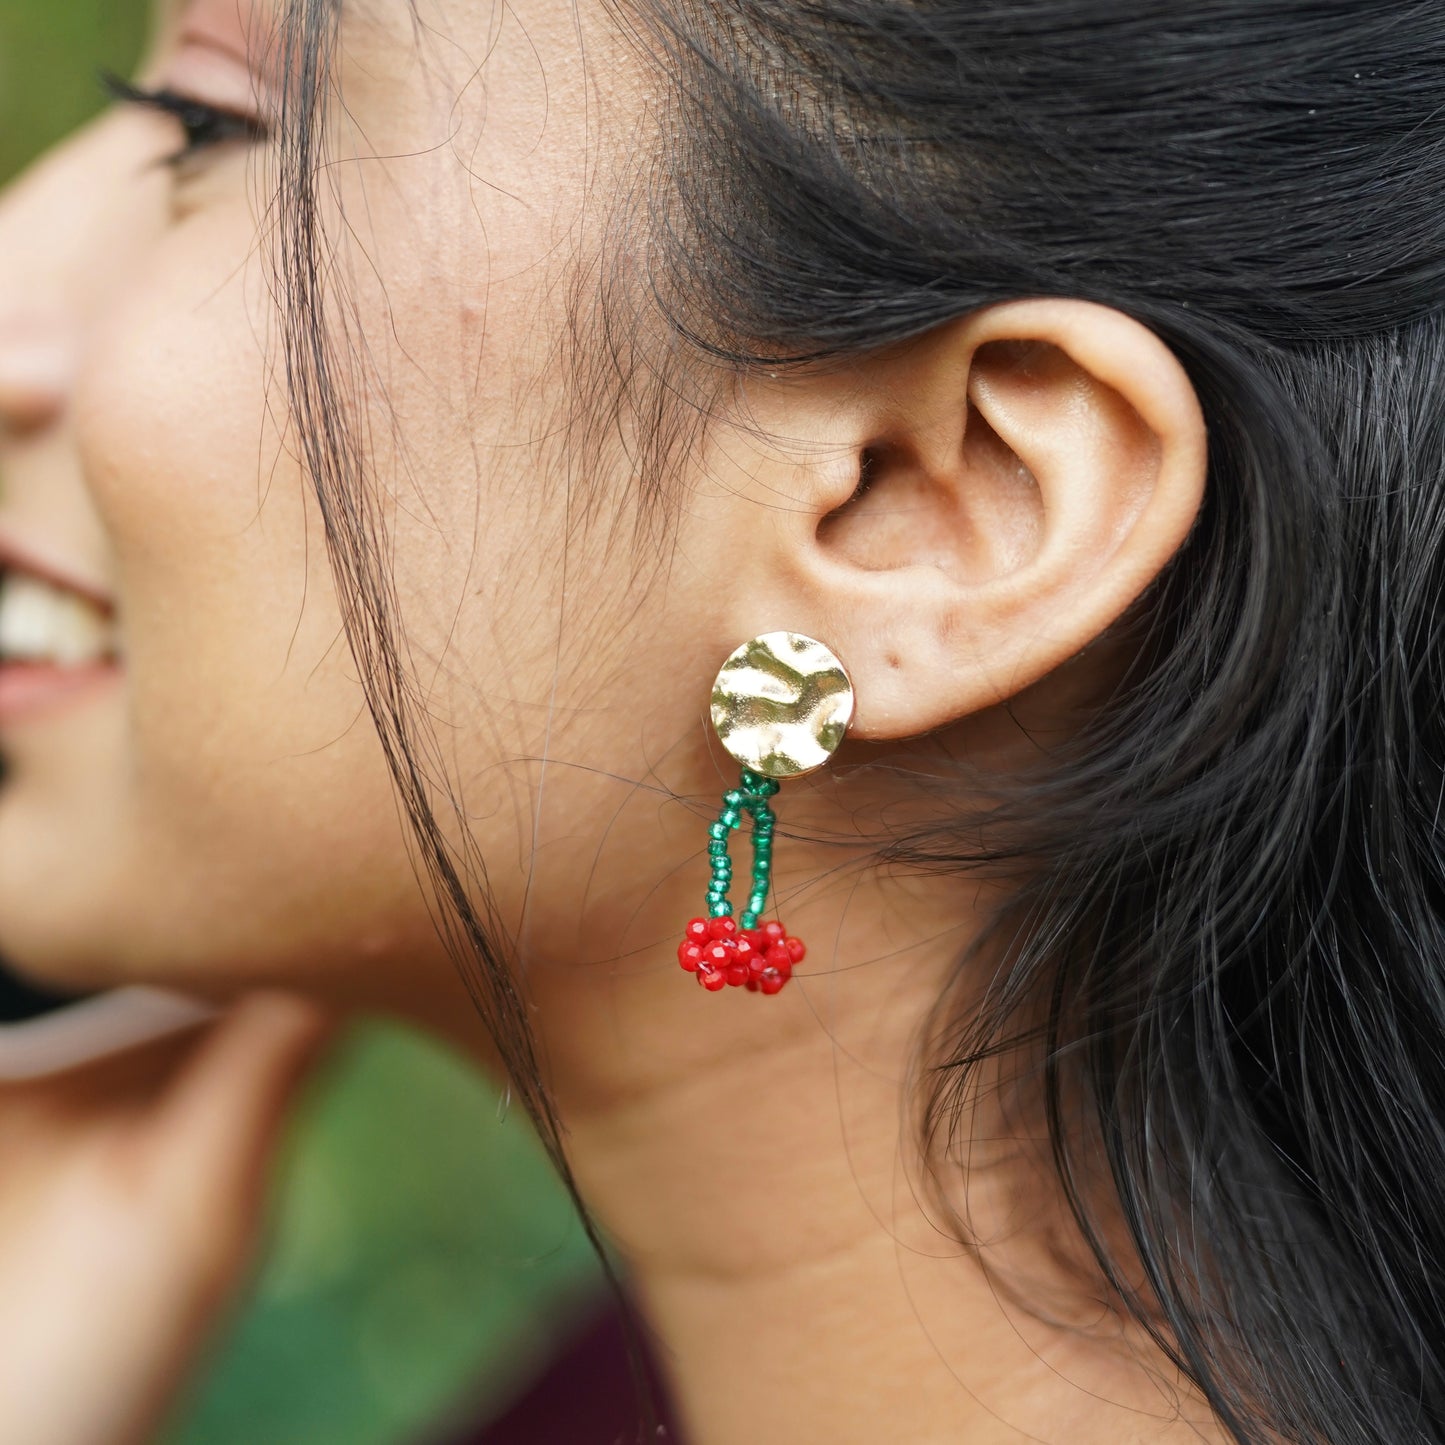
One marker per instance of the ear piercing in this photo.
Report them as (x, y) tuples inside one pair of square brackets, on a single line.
[(781, 706)]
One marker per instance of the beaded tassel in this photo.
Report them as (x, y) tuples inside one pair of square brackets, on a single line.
[(742, 953)]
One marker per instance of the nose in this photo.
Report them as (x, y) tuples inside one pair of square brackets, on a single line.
[(68, 230), (37, 365)]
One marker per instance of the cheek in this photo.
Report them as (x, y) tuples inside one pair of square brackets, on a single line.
[(231, 810)]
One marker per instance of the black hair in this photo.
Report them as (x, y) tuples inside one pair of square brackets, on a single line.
[(1228, 944)]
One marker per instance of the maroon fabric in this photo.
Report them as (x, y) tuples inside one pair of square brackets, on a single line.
[(585, 1397)]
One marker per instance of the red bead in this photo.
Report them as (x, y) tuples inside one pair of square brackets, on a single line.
[(724, 955)]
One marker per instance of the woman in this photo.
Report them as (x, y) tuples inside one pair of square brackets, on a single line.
[(432, 395)]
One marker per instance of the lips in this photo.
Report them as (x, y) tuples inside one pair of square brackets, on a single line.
[(58, 634)]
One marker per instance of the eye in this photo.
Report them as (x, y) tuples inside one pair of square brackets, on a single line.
[(205, 126)]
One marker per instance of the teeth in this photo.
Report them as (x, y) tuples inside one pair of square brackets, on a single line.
[(41, 623)]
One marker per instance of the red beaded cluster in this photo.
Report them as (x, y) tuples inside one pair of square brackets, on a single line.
[(720, 953)]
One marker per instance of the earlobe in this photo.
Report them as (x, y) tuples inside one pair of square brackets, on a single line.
[(1027, 472)]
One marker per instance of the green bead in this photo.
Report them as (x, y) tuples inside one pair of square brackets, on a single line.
[(720, 910), (717, 830), (731, 817), (717, 845)]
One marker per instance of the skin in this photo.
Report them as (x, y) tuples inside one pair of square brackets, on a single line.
[(222, 820), (129, 1213)]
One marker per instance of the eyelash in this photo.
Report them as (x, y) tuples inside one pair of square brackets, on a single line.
[(206, 126)]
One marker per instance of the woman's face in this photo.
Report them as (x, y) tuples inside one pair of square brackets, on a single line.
[(216, 809)]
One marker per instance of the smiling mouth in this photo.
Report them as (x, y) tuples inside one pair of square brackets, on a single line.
[(54, 643)]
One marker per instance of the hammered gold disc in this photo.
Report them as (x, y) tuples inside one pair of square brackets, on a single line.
[(781, 704)]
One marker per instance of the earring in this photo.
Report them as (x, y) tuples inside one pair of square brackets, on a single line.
[(781, 706)]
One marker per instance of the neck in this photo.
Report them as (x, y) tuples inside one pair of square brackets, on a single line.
[(760, 1179)]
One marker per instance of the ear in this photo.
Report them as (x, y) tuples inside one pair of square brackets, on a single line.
[(958, 515)]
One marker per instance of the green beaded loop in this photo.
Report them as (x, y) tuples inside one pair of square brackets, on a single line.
[(751, 797)]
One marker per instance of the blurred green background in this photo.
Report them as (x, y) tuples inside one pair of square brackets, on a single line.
[(423, 1258)]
